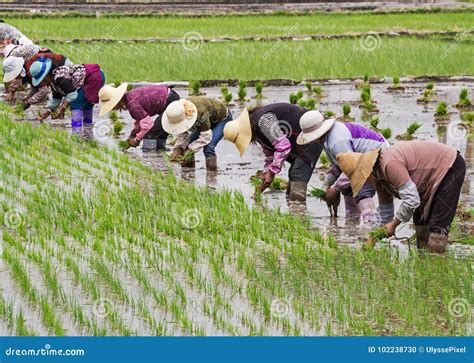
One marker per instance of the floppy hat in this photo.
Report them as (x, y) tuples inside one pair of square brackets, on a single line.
[(239, 131), (357, 167), (39, 70), (313, 126), (109, 96), (179, 117), (8, 49), (12, 67)]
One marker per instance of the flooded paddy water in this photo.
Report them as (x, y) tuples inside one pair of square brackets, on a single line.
[(397, 110)]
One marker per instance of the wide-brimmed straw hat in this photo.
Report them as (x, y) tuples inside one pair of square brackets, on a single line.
[(357, 167), (39, 70), (313, 126), (239, 131), (109, 97), (8, 49), (179, 117), (12, 67)]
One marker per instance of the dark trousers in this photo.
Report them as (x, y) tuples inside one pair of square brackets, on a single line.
[(157, 132), (445, 200), (303, 164)]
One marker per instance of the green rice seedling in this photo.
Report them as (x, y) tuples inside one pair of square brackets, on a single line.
[(113, 116), (329, 114), (279, 184), (301, 102), (123, 144), (299, 94), (441, 111), (130, 87), (309, 86), (228, 98), (464, 100), (318, 193), (242, 92), (468, 117), (19, 110), (375, 235), (318, 90), (374, 123), (386, 132), (311, 103), (425, 98), (224, 91), (413, 127), (346, 109), (323, 160), (430, 86), (257, 184), (396, 86), (118, 127), (195, 88), (293, 98), (259, 89)]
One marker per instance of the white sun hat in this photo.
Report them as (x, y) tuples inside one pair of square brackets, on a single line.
[(179, 117), (12, 67), (8, 49), (110, 96), (313, 126)]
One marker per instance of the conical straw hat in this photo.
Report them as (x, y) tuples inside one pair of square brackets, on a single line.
[(239, 131), (357, 167)]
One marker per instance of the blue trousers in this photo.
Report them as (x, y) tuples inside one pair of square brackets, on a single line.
[(217, 135)]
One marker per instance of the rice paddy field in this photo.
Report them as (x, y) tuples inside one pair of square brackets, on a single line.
[(98, 241)]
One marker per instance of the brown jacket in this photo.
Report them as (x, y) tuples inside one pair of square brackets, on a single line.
[(425, 163)]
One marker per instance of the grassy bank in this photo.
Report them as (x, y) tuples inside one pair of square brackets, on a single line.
[(384, 56), (125, 27), (95, 243)]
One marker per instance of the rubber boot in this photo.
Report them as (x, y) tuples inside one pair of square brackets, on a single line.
[(87, 116), (368, 213), (76, 118), (189, 163), (149, 145), (211, 163), (437, 243), (422, 235), (298, 191), (352, 210), (288, 188)]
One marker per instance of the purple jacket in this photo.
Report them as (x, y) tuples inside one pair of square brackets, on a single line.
[(143, 103)]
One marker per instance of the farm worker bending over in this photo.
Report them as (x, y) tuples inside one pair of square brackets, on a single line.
[(427, 176), (339, 137), (198, 123), (75, 86), (276, 127), (16, 74), (11, 35), (142, 103)]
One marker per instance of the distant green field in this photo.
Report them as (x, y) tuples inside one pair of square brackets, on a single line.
[(125, 27), (277, 59)]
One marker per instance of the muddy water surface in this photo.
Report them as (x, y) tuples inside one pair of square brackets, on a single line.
[(397, 110)]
